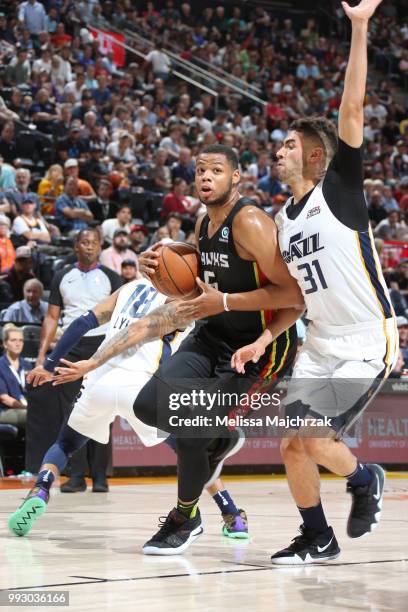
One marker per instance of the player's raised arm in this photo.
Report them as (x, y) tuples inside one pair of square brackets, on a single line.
[(351, 114), (158, 323)]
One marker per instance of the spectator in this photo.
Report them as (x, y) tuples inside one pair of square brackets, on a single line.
[(30, 226), (160, 234), (392, 228), (160, 173), (402, 324), (173, 224), (30, 310), (85, 189), (375, 109), (122, 150), (32, 16), (18, 71), (137, 236), (21, 192), (113, 256), (7, 251), (270, 184), (171, 143), (72, 212), (8, 149), (176, 201), (398, 278), (128, 270), (122, 221), (185, 167), (102, 208), (159, 61), (72, 146), (20, 272), (390, 204), (376, 210), (13, 368), (50, 188)]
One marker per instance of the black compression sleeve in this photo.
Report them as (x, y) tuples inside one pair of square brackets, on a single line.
[(343, 187)]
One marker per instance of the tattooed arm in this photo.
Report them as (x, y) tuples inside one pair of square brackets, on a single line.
[(158, 323)]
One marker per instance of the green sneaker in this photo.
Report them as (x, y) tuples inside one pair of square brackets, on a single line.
[(236, 525), (34, 505)]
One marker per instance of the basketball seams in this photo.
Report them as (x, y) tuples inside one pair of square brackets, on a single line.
[(168, 271), (184, 258)]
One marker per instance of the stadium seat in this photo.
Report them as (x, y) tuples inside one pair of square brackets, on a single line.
[(7, 433), (31, 335)]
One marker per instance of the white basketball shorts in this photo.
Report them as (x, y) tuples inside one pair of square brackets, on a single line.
[(109, 392)]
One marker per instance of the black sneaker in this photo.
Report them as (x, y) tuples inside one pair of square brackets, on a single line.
[(309, 547), (175, 535), (366, 504), (100, 485), (225, 448), (74, 485)]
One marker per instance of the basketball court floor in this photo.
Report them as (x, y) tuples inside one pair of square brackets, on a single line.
[(89, 544)]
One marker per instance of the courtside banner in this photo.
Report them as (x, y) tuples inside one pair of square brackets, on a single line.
[(108, 41)]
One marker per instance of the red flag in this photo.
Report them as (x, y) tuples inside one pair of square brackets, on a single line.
[(108, 41)]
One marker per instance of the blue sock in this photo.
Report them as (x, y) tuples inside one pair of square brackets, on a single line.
[(314, 518), (45, 479), (361, 476), (225, 503), (57, 456)]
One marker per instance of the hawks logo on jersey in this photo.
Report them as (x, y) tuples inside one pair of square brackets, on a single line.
[(218, 260), (301, 247)]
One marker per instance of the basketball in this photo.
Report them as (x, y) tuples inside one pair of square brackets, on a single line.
[(178, 268)]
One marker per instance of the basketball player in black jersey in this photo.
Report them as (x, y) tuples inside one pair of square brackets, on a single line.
[(239, 253)]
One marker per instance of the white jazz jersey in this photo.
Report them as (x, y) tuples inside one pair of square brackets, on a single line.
[(136, 300), (337, 268), (110, 390)]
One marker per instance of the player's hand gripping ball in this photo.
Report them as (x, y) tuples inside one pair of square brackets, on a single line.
[(178, 267)]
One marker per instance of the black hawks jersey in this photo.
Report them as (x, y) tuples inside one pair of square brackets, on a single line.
[(222, 268)]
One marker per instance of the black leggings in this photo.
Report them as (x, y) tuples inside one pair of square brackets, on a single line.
[(199, 361)]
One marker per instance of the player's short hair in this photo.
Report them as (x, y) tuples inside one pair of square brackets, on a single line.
[(81, 233), (227, 152), (319, 129)]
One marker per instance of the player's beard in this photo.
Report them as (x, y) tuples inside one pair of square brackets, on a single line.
[(222, 199)]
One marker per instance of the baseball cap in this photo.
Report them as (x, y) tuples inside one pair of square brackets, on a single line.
[(137, 227), (5, 220), (23, 252), (28, 200), (401, 321), (128, 262), (287, 89), (71, 163), (198, 106), (120, 231)]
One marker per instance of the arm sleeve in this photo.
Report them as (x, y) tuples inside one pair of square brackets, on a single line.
[(70, 337), (343, 187)]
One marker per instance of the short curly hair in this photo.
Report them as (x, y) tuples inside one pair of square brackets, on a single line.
[(319, 129)]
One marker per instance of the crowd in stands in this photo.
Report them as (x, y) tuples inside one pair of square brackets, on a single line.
[(87, 139)]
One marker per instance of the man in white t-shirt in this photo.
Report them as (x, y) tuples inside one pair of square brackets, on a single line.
[(122, 221), (160, 63)]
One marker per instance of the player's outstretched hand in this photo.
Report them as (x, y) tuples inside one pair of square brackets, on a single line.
[(148, 260), (363, 11), (38, 376), (71, 371), (251, 352), (207, 304)]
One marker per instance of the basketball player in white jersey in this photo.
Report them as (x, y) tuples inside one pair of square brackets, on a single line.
[(109, 392), (326, 241)]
